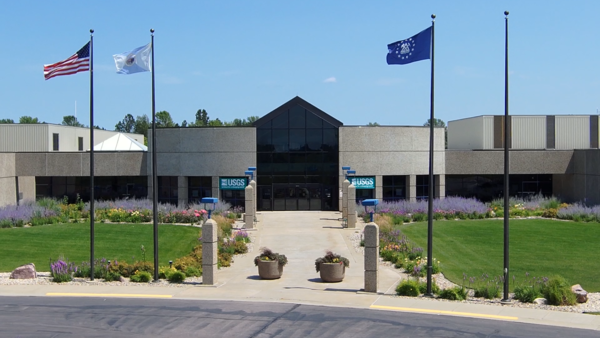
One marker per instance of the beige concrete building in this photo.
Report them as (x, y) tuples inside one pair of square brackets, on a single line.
[(298, 152)]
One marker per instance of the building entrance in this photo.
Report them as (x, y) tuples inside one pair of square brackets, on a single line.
[(296, 197)]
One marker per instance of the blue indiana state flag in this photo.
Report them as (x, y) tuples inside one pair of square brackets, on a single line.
[(415, 48)]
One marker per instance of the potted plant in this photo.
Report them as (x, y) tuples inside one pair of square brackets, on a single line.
[(332, 267), (270, 264)]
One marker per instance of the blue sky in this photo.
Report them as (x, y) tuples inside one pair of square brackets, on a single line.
[(241, 58)]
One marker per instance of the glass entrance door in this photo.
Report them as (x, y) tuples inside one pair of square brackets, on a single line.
[(296, 197)]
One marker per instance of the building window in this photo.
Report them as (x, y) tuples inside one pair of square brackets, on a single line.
[(489, 187), (394, 188), (55, 142), (80, 141), (234, 197), (199, 187), (106, 188), (167, 189), (423, 187)]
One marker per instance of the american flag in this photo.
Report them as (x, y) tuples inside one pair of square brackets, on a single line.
[(78, 62)]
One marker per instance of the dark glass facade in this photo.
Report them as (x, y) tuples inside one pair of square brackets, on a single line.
[(199, 187), (167, 190), (394, 188), (297, 161), (106, 188), (489, 187)]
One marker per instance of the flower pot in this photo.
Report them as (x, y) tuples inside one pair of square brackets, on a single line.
[(269, 269), (332, 272)]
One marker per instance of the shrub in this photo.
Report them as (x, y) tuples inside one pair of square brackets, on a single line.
[(423, 287), (526, 293), (176, 277), (224, 259), (419, 217), (331, 257), (455, 293), (183, 263), (143, 266), (489, 291), (193, 271), (408, 287), (558, 292), (141, 277), (164, 272), (112, 276)]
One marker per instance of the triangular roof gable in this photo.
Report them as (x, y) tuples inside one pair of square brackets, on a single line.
[(301, 102), (120, 142)]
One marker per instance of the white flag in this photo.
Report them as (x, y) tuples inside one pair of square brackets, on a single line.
[(138, 60)]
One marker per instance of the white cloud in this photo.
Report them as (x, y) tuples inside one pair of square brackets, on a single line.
[(330, 80)]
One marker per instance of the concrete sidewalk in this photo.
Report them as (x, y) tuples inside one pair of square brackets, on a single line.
[(304, 236)]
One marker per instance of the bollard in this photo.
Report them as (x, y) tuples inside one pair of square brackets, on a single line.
[(253, 185), (351, 206), (249, 207), (371, 234), (345, 198), (209, 252)]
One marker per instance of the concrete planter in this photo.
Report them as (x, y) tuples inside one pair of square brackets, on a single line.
[(269, 269), (332, 272)]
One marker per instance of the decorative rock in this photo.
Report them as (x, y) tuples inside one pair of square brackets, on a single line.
[(580, 293), (26, 271), (123, 279), (540, 301)]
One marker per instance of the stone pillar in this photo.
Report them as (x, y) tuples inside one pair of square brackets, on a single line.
[(371, 257), (253, 185), (411, 186), (215, 192), (249, 207), (182, 191), (440, 186), (209, 252), (351, 206), (378, 187), (345, 185)]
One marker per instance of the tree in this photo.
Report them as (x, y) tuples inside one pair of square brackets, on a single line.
[(28, 120), (71, 120), (184, 124), (163, 119), (252, 119), (202, 118), (142, 124), (215, 123), (437, 123), (373, 124), (7, 121), (127, 125)]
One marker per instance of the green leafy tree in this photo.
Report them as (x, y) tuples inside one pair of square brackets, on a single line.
[(184, 124), (215, 123), (252, 119), (141, 126), (163, 119), (202, 118), (71, 120), (127, 125), (437, 123), (7, 121), (28, 120), (373, 124)]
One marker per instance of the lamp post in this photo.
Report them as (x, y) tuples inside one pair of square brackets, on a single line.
[(344, 171), (209, 200), (370, 203)]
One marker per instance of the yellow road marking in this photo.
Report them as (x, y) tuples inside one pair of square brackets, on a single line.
[(454, 313), (74, 294)]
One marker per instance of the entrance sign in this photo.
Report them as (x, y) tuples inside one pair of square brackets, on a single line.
[(233, 183), (363, 182)]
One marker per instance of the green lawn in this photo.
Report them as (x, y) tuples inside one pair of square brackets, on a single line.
[(541, 247), (112, 241)]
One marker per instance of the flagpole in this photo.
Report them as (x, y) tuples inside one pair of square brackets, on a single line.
[(154, 174), (92, 210), (506, 164), (431, 183)]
